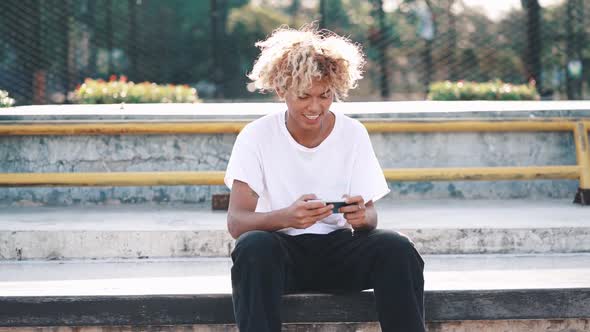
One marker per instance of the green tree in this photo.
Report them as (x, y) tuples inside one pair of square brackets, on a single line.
[(293, 11), (379, 37), (533, 50), (23, 44), (247, 25), (574, 43)]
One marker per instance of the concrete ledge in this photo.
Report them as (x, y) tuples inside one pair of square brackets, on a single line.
[(148, 231), (297, 308), (226, 111), (21, 245), (521, 325)]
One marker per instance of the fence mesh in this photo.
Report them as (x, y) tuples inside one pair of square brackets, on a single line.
[(49, 47)]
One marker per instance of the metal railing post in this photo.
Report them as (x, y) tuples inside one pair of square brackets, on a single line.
[(583, 157)]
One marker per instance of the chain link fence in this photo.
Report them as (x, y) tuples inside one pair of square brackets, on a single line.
[(49, 47)]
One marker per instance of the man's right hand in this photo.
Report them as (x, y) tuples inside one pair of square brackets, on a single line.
[(303, 214)]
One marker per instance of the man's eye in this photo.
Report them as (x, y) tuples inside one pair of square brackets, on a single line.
[(303, 97)]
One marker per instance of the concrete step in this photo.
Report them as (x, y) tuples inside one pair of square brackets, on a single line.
[(151, 231), (198, 291)]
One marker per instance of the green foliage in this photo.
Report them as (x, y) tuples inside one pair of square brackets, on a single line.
[(254, 20), (173, 41), (118, 91), (247, 25), (496, 90), (5, 101)]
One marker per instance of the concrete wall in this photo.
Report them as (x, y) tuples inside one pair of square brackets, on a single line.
[(211, 152), (118, 153)]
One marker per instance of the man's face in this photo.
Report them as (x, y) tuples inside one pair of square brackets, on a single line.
[(310, 110)]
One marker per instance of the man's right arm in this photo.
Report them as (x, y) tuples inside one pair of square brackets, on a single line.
[(241, 217)]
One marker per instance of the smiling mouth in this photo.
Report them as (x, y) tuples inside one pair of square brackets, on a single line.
[(311, 117)]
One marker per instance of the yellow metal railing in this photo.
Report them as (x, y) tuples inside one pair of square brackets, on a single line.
[(580, 128), (128, 128), (583, 153), (216, 177), (233, 127)]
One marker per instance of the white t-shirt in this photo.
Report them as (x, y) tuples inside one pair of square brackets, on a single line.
[(280, 170)]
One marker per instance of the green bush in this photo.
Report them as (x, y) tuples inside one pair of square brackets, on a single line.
[(5, 101), (496, 90), (119, 90)]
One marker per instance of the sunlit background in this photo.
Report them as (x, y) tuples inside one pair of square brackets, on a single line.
[(48, 48)]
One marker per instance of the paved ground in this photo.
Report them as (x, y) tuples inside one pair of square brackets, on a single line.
[(392, 214), (211, 275)]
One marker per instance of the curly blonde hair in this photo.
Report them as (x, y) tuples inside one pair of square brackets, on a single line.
[(291, 59)]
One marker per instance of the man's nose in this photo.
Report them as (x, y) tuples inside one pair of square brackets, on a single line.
[(316, 105)]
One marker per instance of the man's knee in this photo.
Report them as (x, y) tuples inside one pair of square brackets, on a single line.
[(396, 244), (255, 246), (392, 239)]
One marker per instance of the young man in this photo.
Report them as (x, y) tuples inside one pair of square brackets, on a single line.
[(285, 166)]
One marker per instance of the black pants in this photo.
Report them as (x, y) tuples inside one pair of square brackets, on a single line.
[(270, 264)]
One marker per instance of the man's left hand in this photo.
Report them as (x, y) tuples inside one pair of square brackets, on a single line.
[(355, 212)]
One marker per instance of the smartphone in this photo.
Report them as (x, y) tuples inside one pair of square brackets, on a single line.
[(338, 204)]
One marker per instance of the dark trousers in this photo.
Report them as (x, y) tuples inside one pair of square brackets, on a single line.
[(270, 264)]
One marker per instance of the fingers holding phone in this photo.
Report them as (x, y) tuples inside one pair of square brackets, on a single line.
[(354, 211), (306, 211)]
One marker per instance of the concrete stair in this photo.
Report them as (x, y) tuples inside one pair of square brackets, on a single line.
[(507, 264), (212, 275), (198, 291), (151, 231)]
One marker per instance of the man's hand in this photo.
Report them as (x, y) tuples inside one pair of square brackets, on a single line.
[(356, 213), (303, 214)]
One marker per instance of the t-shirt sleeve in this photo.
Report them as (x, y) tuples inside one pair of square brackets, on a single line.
[(367, 176), (245, 164)]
